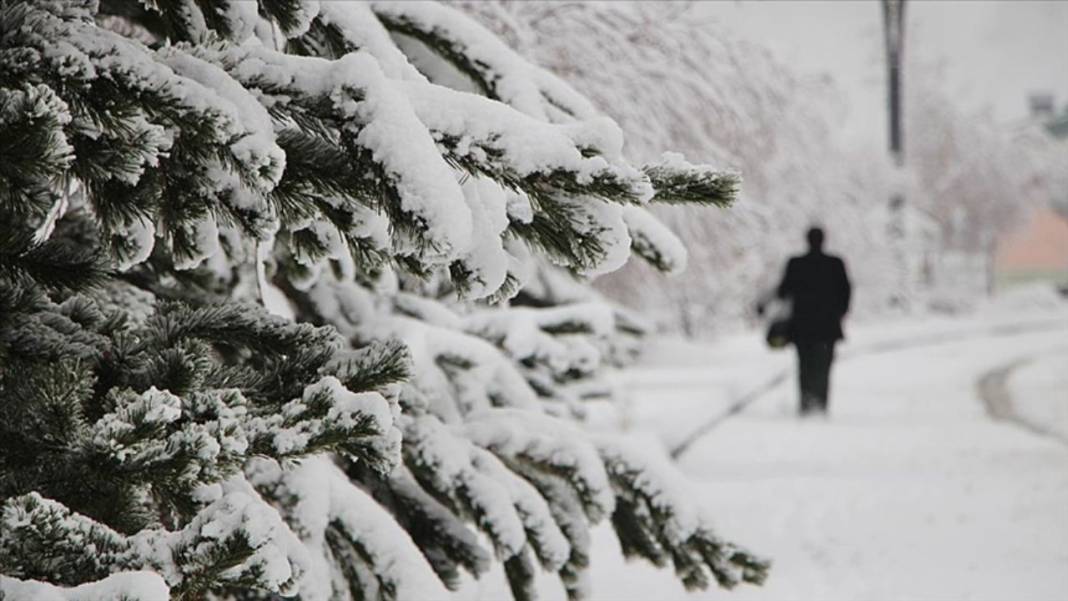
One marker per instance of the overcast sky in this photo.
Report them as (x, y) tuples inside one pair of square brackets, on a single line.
[(995, 52)]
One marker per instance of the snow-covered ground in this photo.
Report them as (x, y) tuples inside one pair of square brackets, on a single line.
[(910, 490), (1039, 390)]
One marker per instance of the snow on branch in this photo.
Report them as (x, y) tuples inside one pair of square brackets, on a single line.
[(344, 27), (444, 462), (157, 437), (549, 443), (347, 532), (444, 538), (500, 72), (237, 539), (678, 181), (487, 137), (553, 345), (103, 75), (378, 130), (127, 586), (655, 518), (462, 372), (653, 241), (328, 416)]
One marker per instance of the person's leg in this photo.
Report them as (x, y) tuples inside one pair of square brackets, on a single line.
[(824, 359), (827, 386), (804, 376)]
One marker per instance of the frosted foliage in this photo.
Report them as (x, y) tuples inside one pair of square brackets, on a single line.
[(472, 369), (487, 259), (382, 119), (276, 563), (522, 85), (138, 238), (266, 166), (234, 88), (550, 544), (427, 188), (305, 13), (447, 462), (236, 520), (658, 481), (653, 240), (154, 408), (258, 149), (526, 145), (358, 25), (523, 333), (325, 410), (550, 442), (317, 499), (203, 236)]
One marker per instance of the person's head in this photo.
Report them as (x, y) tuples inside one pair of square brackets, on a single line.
[(815, 239)]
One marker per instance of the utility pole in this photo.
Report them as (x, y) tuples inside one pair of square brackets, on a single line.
[(894, 33)]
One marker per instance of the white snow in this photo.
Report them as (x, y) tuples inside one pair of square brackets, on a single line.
[(527, 145), (650, 237), (384, 122), (297, 425), (205, 239), (112, 432), (1039, 390), (488, 377), (523, 333), (326, 496), (140, 235), (131, 586), (544, 534), (257, 149), (548, 441), (908, 491), (453, 457), (359, 26), (528, 88), (486, 259)]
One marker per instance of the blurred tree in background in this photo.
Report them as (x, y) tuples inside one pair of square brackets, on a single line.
[(676, 79)]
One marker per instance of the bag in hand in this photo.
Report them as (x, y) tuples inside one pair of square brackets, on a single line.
[(779, 325), (779, 333)]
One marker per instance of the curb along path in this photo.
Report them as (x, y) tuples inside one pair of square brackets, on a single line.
[(993, 390), (999, 405)]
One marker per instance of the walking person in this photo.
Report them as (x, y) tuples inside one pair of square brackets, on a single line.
[(818, 287)]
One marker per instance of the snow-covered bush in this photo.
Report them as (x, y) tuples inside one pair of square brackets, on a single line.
[(275, 317)]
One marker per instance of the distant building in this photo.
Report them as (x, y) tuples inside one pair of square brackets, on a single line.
[(1038, 248)]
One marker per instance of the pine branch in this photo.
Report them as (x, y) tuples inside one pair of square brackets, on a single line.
[(679, 182)]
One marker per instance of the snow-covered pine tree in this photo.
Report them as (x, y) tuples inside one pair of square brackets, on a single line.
[(273, 319)]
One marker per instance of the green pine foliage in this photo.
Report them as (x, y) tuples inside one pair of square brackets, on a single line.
[(282, 314)]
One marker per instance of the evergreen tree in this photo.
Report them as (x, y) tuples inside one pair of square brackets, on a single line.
[(276, 316)]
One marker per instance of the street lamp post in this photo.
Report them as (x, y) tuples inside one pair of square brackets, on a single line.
[(894, 33)]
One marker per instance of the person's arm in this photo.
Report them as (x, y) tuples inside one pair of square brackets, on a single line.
[(845, 288)]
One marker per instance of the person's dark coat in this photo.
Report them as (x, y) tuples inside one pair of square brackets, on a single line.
[(819, 288)]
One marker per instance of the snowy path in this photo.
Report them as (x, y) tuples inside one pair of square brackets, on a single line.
[(997, 396), (910, 491)]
